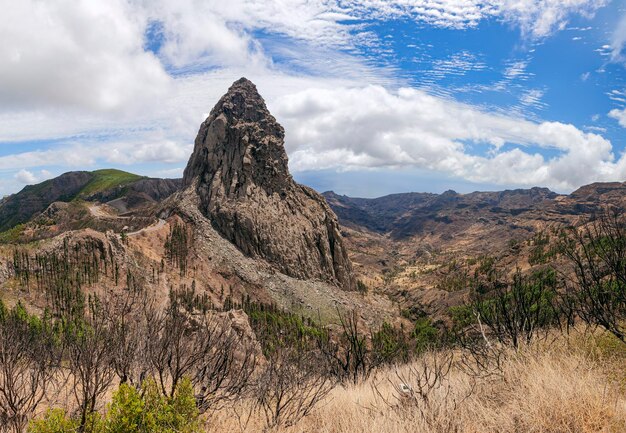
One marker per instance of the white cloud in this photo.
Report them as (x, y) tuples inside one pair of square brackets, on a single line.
[(516, 69), (26, 177), (89, 154), (540, 18), (76, 53), (536, 18), (374, 128), (29, 178), (533, 98), (619, 115), (91, 55), (170, 173), (344, 124), (78, 71), (618, 41)]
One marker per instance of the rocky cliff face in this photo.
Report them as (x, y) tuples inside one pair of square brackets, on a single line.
[(239, 170)]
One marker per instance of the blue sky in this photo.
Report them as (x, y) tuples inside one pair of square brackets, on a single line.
[(375, 96)]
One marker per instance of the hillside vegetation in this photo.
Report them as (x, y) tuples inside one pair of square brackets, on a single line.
[(539, 352), (107, 179), (571, 384), (33, 199)]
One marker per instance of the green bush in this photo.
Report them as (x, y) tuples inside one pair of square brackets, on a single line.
[(132, 411), (426, 336), (53, 421), (361, 286), (389, 344)]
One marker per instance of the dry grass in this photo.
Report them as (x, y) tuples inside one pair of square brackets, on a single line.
[(574, 385)]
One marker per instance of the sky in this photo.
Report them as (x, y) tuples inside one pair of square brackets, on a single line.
[(376, 96)]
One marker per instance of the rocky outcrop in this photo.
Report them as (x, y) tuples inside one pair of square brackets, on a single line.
[(239, 171)]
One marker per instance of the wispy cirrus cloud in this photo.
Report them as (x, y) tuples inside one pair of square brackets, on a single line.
[(618, 41), (127, 81)]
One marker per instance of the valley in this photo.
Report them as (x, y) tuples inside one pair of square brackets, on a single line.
[(253, 283)]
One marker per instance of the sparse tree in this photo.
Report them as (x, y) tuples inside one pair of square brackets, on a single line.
[(183, 344), (28, 361), (597, 254), (289, 386), (89, 348)]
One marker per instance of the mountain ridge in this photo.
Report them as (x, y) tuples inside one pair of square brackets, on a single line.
[(102, 185)]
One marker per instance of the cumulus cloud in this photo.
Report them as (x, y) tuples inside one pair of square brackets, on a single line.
[(25, 176), (92, 55), (90, 154), (346, 125), (372, 127), (86, 74), (619, 115), (75, 53), (29, 178)]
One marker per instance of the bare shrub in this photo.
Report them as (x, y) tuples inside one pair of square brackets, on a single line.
[(216, 359), (89, 348), (348, 356), (28, 358), (597, 254), (289, 386), (422, 389)]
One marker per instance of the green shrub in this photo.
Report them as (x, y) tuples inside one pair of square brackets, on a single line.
[(425, 335), (389, 344), (361, 286), (129, 412), (53, 421), (132, 411)]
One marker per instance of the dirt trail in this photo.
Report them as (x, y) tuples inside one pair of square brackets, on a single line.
[(156, 226), (98, 212)]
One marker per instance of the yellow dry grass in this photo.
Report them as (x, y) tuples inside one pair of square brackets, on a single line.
[(573, 385)]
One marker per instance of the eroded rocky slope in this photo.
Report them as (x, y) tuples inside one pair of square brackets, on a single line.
[(239, 171)]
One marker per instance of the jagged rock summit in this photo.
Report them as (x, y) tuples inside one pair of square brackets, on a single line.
[(239, 171)]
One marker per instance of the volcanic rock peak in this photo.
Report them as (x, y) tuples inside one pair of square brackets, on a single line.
[(242, 143), (240, 171)]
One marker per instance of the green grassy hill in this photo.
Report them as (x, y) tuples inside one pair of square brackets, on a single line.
[(107, 179), (20, 207)]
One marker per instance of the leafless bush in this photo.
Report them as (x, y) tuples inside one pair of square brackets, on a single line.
[(422, 388), (597, 253), (203, 348), (27, 369), (224, 372), (348, 357), (129, 335), (89, 349), (289, 386)]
